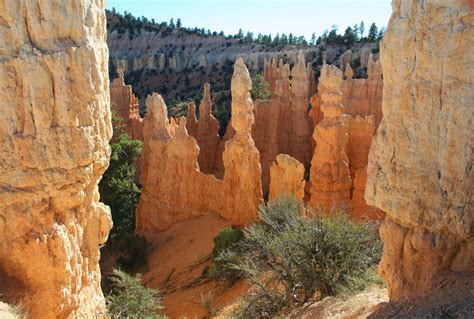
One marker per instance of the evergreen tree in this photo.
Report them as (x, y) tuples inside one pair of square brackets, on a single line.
[(248, 37), (260, 88), (118, 188), (349, 36), (380, 34), (313, 39), (172, 25), (373, 33), (291, 39), (362, 29), (276, 40), (178, 23), (240, 34)]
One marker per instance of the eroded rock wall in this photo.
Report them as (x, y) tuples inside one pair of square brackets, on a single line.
[(54, 129), (174, 188), (360, 97), (420, 165), (125, 104), (207, 134), (282, 124)]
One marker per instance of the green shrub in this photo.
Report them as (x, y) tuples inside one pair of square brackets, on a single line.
[(226, 254), (289, 258), (130, 299), (227, 239)]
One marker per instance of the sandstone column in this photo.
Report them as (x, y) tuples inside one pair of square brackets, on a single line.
[(420, 164), (300, 138), (242, 176), (54, 129), (330, 176)]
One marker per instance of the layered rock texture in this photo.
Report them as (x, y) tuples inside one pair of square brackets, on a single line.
[(174, 188), (420, 166), (178, 62), (282, 124), (125, 105), (54, 130), (286, 178), (330, 178), (360, 97), (206, 132)]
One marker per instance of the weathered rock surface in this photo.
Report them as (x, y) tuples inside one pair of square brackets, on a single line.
[(125, 105), (286, 178), (207, 134), (360, 97), (174, 189), (243, 173), (330, 178), (282, 124), (420, 165), (54, 130)]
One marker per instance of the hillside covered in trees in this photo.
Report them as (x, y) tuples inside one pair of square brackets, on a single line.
[(176, 61)]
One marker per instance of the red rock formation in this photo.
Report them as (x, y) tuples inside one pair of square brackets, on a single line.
[(174, 189), (242, 176), (207, 134), (282, 125), (330, 176), (272, 72), (286, 178), (361, 131), (420, 164), (54, 132), (361, 97), (125, 105), (191, 120)]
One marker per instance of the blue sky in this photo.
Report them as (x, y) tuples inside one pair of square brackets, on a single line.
[(300, 17)]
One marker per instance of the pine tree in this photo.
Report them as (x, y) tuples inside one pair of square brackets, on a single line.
[(178, 23), (362, 29), (373, 33), (313, 39)]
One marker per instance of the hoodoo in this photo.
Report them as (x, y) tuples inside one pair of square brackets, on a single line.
[(125, 105), (174, 187), (330, 176), (420, 165), (54, 129)]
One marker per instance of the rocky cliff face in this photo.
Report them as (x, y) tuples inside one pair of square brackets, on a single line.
[(174, 188), (54, 130), (420, 167), (177, 63)]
